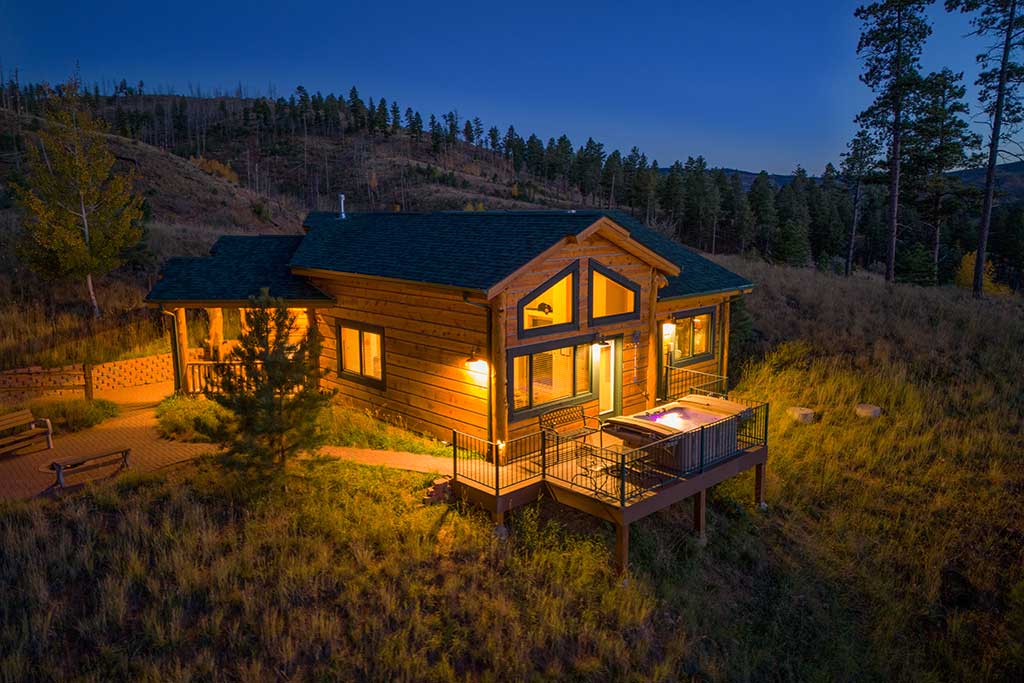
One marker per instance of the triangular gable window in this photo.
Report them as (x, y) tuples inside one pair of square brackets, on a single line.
[(612, 297), (552, 307)]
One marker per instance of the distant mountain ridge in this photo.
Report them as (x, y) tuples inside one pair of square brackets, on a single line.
[(1009, 178)]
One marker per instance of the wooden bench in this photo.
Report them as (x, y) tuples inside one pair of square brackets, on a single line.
[(65, 465), (569, 423), (22, 428)]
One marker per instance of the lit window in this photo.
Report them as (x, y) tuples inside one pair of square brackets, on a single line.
[(362, 351), (611, 294), (687, 339), (553, 306), (550, 376)]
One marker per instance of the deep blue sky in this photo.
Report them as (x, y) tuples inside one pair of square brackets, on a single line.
[(749, 85)]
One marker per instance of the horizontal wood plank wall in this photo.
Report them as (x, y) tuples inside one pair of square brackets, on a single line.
[(634, 394), (429, 332)]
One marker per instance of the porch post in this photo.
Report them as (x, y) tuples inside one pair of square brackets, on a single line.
[(216, 340), (653, 342), (181, 344), (700, 500), (498, 387), (759, 486), (622, 547), (724, 370)]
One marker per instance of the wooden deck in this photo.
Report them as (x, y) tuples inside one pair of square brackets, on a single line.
[(573, 483)]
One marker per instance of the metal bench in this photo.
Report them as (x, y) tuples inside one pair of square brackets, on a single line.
[(22, 428), (570, 423), (65, 465)]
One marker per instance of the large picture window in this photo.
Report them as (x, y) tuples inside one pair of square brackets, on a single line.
[(550, 376), (688, 339), (361, 352), (553, 306), (613, 297)]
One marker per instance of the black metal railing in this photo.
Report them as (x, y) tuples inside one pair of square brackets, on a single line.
[(676, 382), (616, 475)]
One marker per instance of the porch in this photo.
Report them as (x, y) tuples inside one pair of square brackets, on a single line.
[(616, 482)]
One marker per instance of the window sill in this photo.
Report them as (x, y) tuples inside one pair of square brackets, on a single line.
[(362, 379)]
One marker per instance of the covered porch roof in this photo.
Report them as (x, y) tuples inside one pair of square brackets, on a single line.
[(238, 267)]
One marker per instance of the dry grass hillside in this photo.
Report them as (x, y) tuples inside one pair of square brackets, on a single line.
[(891, 549)]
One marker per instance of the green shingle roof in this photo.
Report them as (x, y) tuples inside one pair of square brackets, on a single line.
[(478, 249), (238, 267)]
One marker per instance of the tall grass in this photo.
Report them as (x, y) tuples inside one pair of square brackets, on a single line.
[(347, 577), (918, 515), (891, 549)]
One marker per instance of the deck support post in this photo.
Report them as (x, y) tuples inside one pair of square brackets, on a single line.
[(181, 342), (622, 547), (700, 501), (759, 486)]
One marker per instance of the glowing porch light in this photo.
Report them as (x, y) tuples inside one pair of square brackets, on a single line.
[(476, 364)]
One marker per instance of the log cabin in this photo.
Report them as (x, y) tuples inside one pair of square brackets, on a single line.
[(475, 327)]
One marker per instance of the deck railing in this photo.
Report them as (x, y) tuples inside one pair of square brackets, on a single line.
[(616, 475), (202, 376), (676, 382)]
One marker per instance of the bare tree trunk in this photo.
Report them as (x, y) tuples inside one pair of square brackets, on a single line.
[(853, 228), (993, 156), (92, 296)]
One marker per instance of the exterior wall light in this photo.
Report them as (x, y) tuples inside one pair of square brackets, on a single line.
[(476, 364)]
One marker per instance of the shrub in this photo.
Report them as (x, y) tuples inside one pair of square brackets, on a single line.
[(215, 168), (75, 414), (197, 420), (965, 275), (360, 429)]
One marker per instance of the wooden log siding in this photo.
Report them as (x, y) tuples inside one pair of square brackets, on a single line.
[(636, 396), (429, 332)]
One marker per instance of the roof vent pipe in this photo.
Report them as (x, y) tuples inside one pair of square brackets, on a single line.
[(341, 206)]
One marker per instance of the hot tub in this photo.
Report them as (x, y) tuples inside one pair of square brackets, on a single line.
[(685, 417)]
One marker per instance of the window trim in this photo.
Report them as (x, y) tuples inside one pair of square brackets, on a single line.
[(710, 354), (574, 324), (359, 377), (598, 267), (515, 415)]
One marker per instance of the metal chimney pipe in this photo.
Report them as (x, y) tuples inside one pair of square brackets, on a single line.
[(341, 206)]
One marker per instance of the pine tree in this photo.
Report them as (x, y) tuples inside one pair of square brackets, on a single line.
[(467, 132), (357, 109), (762, 205), (859, 162), (939, 141), (494, 139), (417, 127), (611, 178), (79, 216), (792, 245), (396, 118), (382, 116), (436, 135), (478, 131), (1001, 21), (893, 34), (275, 397)]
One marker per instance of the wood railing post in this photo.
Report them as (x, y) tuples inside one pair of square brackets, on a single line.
[(87, 380)]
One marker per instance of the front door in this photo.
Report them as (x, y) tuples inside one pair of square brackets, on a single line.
[(609, 371)]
